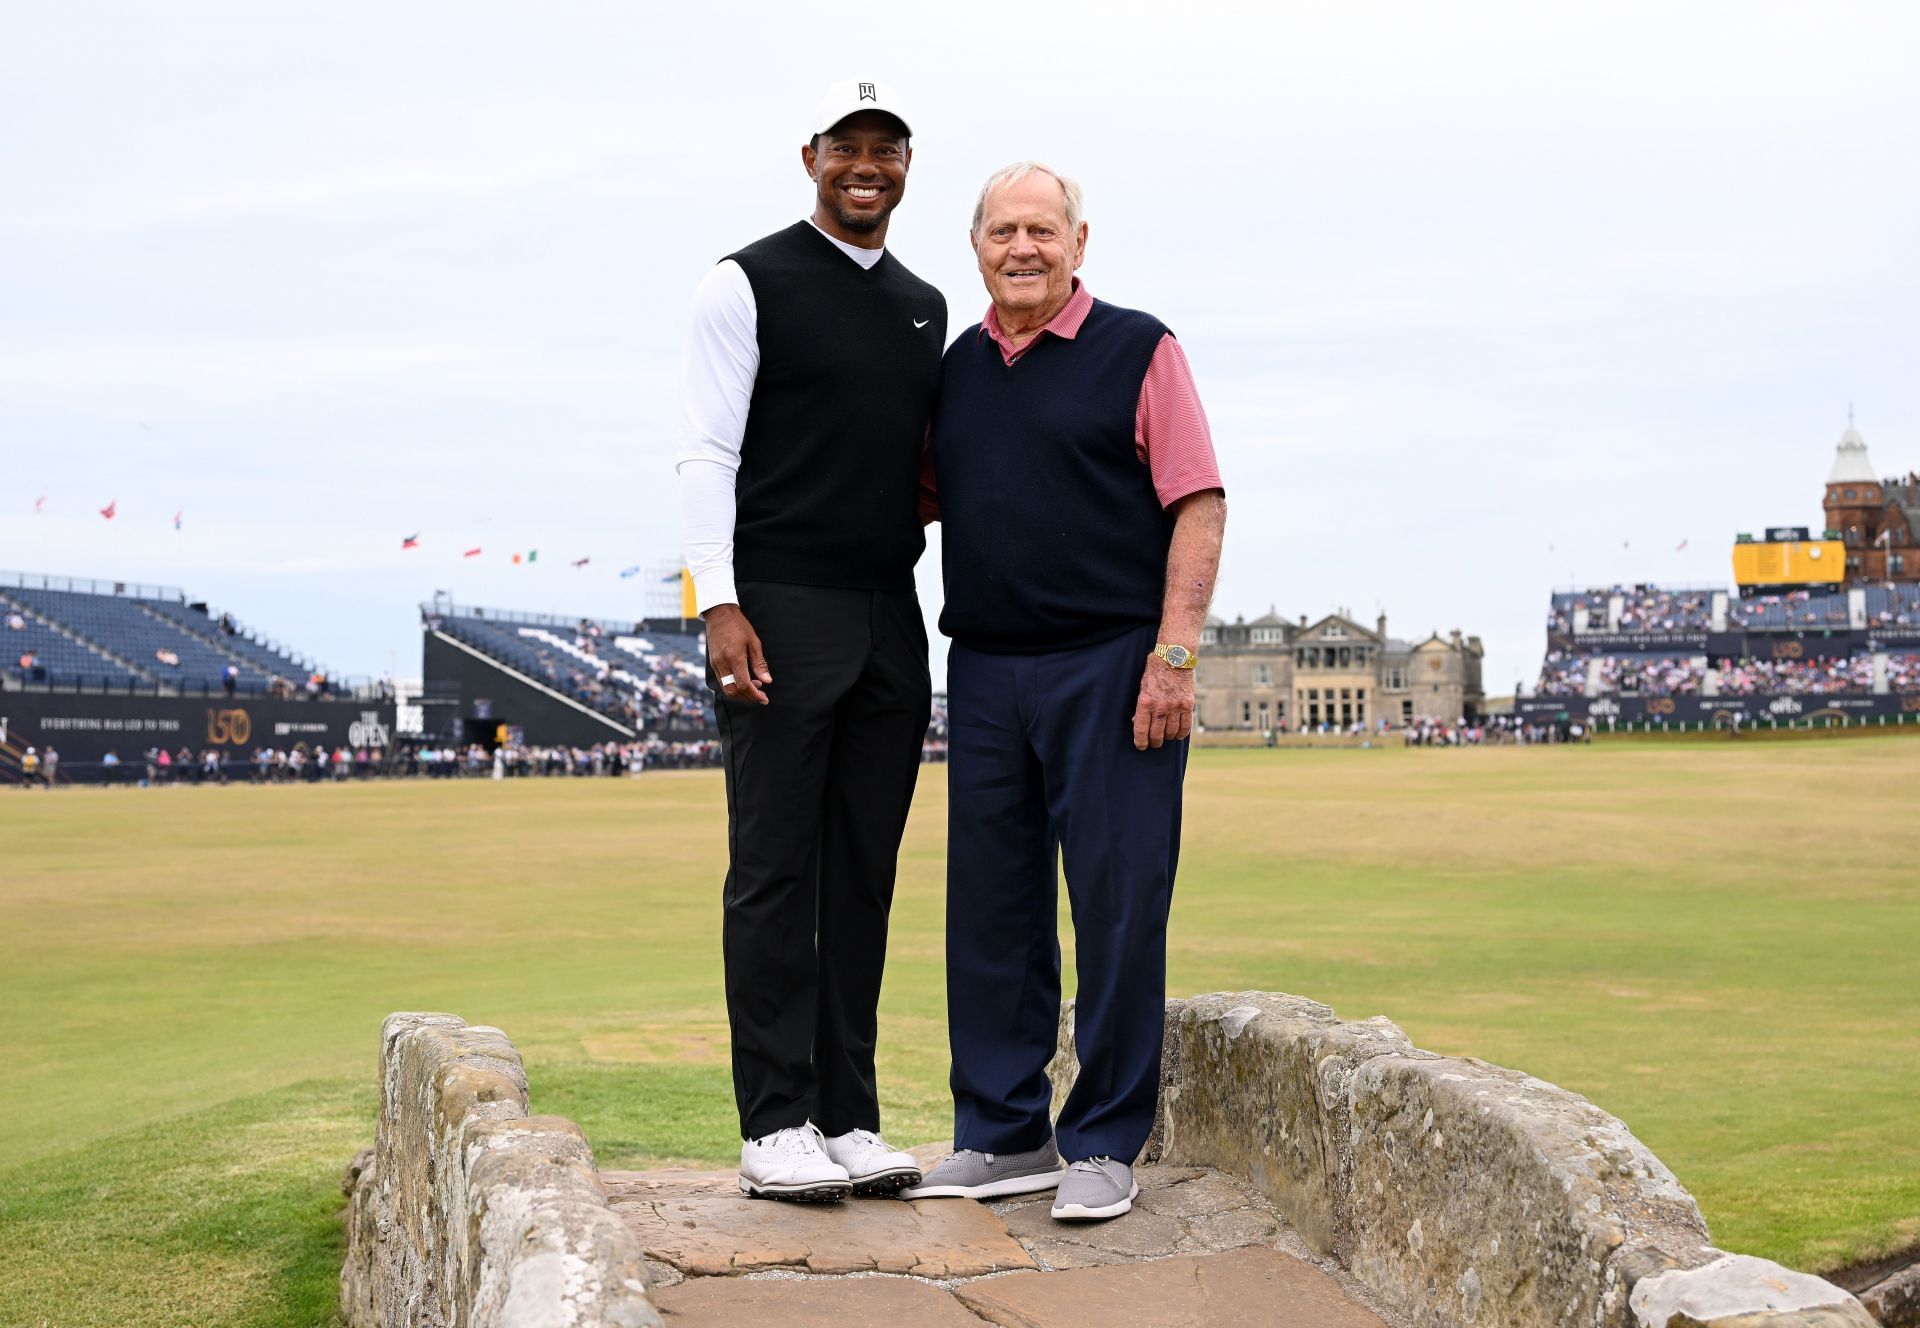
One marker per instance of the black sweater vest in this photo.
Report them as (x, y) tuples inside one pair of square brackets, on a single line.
[(1052, 534), (828, 488)]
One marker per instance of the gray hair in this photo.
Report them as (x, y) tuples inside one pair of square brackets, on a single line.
[(1020, 170)]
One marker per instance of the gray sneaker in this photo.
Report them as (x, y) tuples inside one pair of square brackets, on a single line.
[(1096, 1188), (970, 1175)]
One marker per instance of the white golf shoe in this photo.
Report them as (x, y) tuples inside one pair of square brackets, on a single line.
[(792, 1164), (872, 1166)]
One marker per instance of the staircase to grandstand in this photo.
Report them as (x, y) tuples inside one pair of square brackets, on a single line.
[(70, 634), (633, 678)]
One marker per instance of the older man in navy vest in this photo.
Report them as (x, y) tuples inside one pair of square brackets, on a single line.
[(1083, 515)]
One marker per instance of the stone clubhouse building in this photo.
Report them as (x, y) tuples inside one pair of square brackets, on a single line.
[(1288, 676)]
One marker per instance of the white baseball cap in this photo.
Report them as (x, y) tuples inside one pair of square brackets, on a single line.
[(852, 96)]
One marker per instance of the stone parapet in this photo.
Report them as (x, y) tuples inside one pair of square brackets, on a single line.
[(470, 1213), (1459, 1192)]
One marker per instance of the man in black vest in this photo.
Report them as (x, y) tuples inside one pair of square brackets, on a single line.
[(1083, 516), (813, 364)]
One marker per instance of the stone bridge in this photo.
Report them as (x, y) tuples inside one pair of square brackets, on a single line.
[(1304, 1170)]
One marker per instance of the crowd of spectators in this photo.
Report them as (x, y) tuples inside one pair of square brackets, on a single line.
[(1894, 606), (1652, 675), (1792, 608), (1799, 677), (1643, 608), (1494, 731), (1651, 609), (933, 747), (1562, 673), (625, 677), (1903, 673)]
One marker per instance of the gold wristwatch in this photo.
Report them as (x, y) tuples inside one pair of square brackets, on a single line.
[(1176, 657)]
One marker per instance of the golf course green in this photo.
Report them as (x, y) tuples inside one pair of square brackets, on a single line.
[(1719, 943)]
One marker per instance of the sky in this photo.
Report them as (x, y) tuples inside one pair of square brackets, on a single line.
[(1482, 299)]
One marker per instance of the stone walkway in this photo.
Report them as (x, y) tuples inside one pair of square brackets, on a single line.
[(1199, 1250)]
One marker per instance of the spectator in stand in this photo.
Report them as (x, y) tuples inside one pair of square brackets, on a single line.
[(15, 621), (229, 678)]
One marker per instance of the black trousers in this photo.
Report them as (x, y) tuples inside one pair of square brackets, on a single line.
[(818, 786)]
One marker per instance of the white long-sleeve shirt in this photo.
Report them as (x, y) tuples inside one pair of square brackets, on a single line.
[(716, 386)]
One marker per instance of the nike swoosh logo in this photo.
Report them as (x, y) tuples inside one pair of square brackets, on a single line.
[(921, 322)]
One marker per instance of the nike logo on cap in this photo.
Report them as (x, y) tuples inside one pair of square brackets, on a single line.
[(921, 322)]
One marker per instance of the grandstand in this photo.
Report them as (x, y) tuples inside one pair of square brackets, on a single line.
[(561, 678), (1652, 653), (70, 634), (117, 676)]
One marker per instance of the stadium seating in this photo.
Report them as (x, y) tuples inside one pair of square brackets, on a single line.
[(58, 659), (127, 629), (1893, 606), (1791, 610), (256, 655), (88, 638), (644, 680)]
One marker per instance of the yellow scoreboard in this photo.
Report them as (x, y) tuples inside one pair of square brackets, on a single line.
[(1789, 563)]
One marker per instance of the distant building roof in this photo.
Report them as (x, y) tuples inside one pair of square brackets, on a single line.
[(1850, 464)]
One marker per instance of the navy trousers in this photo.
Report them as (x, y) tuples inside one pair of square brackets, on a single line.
[(1041, 768)]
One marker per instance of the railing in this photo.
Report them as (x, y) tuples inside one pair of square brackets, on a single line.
[(90, 586), (84, 684), (1661, 587), (520, 617)]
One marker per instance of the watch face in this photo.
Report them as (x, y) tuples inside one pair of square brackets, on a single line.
[(1178, 656)]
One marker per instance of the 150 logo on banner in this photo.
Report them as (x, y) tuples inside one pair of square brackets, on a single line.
[(229, 727)]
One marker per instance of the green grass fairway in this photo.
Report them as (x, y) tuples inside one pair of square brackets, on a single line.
[(1718, 943)]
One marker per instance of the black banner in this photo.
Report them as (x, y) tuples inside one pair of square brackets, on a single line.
[(1797, 643), (84, 728), (1853, 708)]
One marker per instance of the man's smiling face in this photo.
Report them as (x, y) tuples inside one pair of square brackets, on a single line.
[(1027, 251), (860, 170)]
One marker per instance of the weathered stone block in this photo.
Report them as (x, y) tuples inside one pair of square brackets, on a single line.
[(1739, 1291), (471, 1214), (1459, 1192), (1894, 1300), (1494, 1198)]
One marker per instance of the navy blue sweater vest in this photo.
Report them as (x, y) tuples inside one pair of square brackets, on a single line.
[(1052, 534), (828, 491)]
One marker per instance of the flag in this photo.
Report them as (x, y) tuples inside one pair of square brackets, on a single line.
[(533, 555), (674, 579), (516, 559), (626, 572), (1681, 546), (410, 541), (471, 553), (108, 510), (1885, 537), (178, 513), (581, 562), (40, 503)]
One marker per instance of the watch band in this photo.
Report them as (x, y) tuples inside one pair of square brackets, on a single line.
[(1174, 656)]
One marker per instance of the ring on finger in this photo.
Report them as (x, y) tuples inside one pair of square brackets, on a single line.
[(726, 680)]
